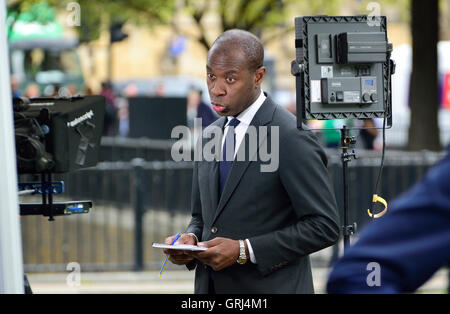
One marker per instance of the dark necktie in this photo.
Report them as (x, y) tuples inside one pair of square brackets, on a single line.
[(227, 150)]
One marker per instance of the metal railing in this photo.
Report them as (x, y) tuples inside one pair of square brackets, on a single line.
[(140, 202)]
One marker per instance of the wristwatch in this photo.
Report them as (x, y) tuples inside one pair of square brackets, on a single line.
[(242, 256)]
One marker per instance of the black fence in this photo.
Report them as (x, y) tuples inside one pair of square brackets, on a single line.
[(138, 202), (127, 149)]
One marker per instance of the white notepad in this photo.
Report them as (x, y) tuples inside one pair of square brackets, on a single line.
[(183, 247)]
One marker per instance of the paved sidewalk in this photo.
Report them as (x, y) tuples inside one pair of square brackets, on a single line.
[(172, 281)]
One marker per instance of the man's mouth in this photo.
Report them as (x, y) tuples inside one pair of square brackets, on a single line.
[(218, 108)]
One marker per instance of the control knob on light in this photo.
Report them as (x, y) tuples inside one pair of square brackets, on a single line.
[(374, 97), (366, 97)]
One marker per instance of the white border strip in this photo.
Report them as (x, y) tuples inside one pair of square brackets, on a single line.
[(11, 261)]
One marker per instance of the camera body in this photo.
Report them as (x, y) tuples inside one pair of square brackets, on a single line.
[(58, 135)]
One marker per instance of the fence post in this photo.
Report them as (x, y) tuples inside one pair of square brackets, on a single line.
[(138, 214)]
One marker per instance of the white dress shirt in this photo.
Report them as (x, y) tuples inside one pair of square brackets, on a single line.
[(245, 118)]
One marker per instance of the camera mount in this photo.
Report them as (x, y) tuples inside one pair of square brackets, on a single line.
[(48, 208)]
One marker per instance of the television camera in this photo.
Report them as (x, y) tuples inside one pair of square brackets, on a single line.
[(56, 135)]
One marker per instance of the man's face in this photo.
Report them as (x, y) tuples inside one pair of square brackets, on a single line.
[(232, 85)]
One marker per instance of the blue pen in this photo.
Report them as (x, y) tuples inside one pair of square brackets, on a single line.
[(165, 262)]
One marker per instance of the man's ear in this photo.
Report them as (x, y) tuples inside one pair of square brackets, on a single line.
[(259, 75)]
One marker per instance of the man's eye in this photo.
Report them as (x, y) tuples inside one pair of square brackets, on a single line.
[(230, 79), (211, 76)]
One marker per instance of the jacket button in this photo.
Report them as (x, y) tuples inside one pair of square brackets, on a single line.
[(214, 230)]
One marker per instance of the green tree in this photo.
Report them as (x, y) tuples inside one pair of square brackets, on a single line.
[(97, 15), (269, 17)]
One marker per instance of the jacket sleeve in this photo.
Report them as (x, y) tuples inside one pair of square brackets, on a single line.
[(196, 224), (304, 175)]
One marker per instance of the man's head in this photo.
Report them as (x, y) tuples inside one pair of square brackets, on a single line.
[(235, 71)]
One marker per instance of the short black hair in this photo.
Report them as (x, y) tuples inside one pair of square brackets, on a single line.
[(250, 45)]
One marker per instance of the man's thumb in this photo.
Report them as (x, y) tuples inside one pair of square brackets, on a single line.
[(203, 244)]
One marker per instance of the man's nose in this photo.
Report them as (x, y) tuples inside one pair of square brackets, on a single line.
[(217, 89)]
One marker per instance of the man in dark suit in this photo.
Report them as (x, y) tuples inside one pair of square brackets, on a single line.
[(259, 226), (204, 111)]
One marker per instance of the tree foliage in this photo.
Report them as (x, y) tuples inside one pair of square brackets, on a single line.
[(98, 14), (271, 17)]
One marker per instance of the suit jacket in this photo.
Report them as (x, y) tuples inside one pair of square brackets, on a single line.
[(286, 214)]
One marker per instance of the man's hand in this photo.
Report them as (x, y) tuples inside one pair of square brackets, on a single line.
[(179, 257), (221, 253)]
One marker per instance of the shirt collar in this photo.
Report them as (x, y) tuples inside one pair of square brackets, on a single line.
[(247, 115)]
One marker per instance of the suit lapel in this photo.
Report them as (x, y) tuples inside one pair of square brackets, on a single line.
[(262, 117)]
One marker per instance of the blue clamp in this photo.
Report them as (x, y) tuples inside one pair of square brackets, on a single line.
[(43, 188)]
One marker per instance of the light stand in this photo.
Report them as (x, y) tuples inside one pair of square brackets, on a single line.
[(346, 140), (343, 71), (346, 157)]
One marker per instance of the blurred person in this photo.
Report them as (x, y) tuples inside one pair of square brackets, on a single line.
[(57, 91), (15, 85), (191, 107), (131, 90), (110, 121), (160, 91), (124, 120), (258, 227), (32, 90), (52, 90), (401, 250), (72, 89), (369, 135), (108, 93), (88, 91), (198, 109)]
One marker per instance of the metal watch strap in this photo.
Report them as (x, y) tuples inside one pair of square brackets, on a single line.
[(242, 256)]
